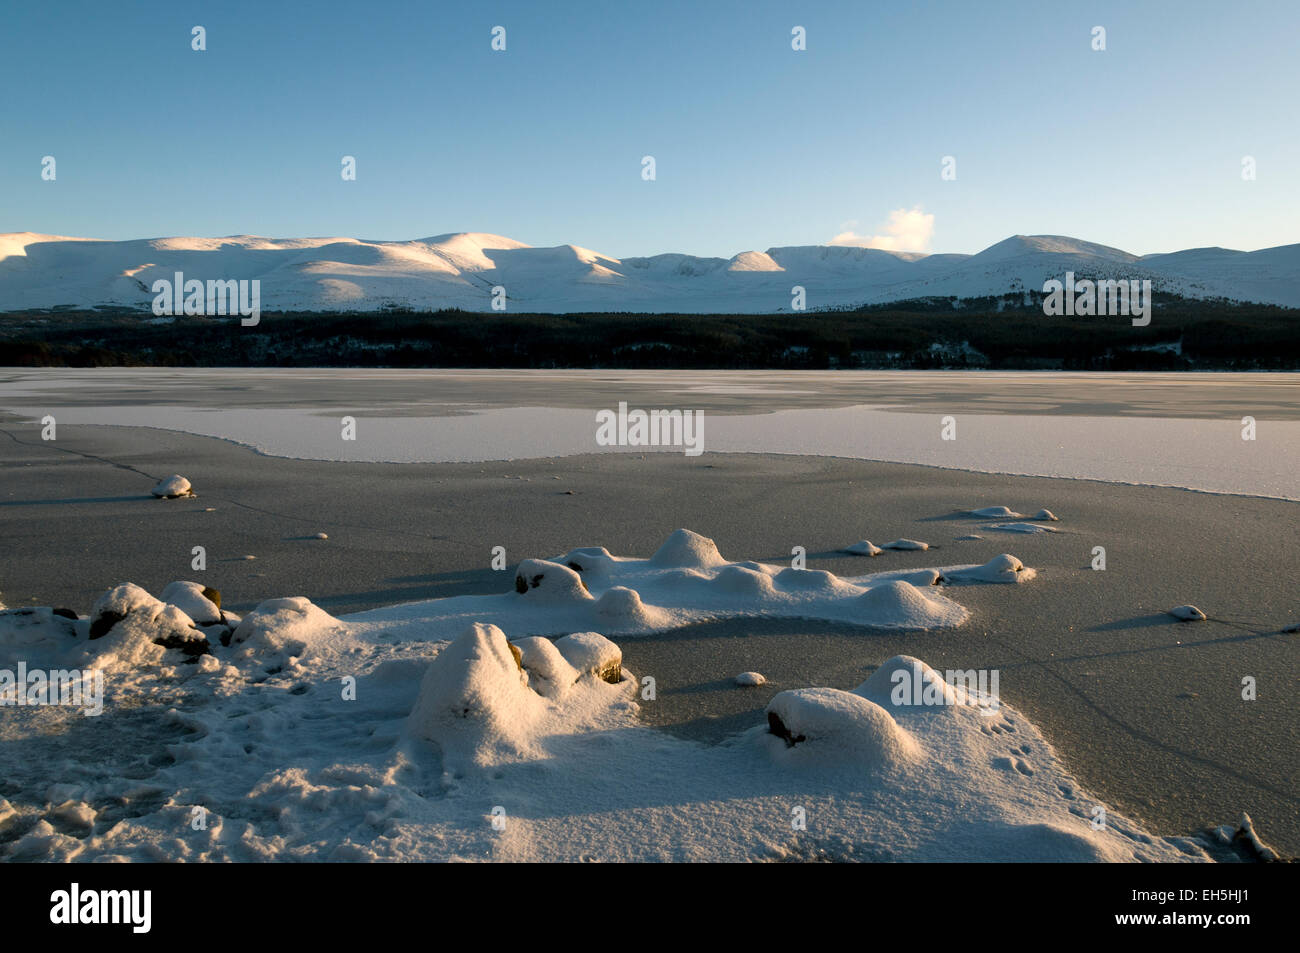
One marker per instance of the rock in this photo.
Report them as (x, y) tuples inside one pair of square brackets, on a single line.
[(1188, 613), (65, 613), (173, 487), (590, 653), (777, 727), (320, 536)]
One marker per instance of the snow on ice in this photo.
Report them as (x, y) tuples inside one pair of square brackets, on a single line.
[(506, 727)]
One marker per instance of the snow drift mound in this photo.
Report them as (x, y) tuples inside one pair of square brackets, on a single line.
[(826, 725), (474, 703), (625, 609), (283, 627), (900, 605), (687, 550), (27, 631), (811, 580), (594, 563), (743, 581), (1004, 568), (904, 681)]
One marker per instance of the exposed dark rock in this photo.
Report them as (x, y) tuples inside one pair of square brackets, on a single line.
[(777, 727)]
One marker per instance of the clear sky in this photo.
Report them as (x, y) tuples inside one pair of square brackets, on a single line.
[(755, 144)]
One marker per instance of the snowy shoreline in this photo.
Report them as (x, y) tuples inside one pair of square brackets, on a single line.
[(412, 733)]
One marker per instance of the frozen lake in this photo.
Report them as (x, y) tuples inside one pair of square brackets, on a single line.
[(1183, 430)]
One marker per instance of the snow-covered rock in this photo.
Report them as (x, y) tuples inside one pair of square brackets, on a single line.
[(996, 512), (173, 487), (474, 702), (1003, 568), (549, 672), (199, 602), (590, 653), (541, 581), (594, 563), (907, 544), (1187, 613), (828, 725), (864, 547), (129, 627), (750, 679)]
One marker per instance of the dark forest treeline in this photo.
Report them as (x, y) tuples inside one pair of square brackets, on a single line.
[(932, 333)]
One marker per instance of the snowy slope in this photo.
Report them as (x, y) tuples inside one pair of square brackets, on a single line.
[(460, 270)]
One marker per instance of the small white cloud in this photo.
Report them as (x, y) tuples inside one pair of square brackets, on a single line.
[(907, 230)]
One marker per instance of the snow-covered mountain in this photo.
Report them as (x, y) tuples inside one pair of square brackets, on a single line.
[(460, 270)]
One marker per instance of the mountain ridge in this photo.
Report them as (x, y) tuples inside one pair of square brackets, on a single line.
[(460, 269)]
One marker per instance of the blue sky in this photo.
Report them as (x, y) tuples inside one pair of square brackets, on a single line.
[(1139, 146)]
